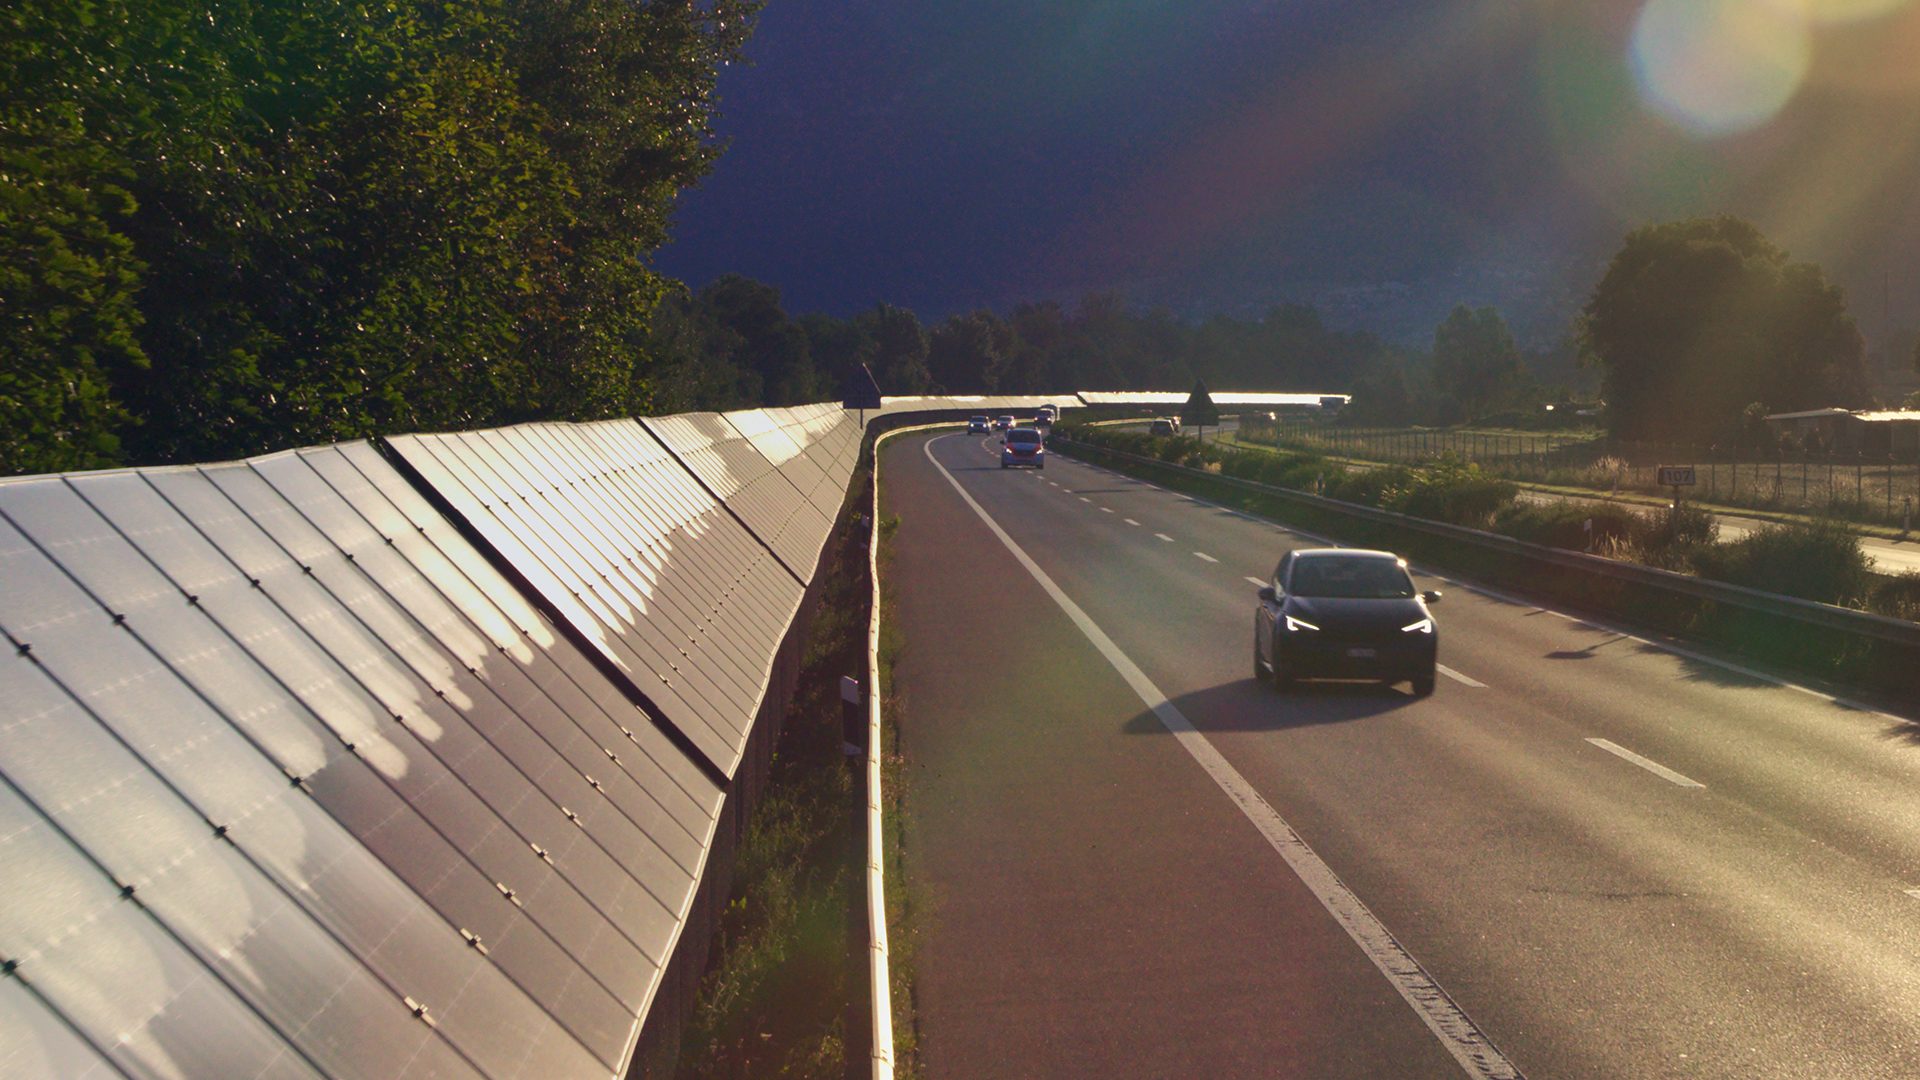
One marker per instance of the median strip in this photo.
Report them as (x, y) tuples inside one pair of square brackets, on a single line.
[(1648, 764)]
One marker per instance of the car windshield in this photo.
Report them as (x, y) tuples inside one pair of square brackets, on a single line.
[(1023, 437), (1351, 579)]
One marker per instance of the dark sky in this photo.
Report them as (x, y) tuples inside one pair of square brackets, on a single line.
[(1384, 159)]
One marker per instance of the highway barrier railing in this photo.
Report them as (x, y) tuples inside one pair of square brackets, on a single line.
[(1822, 639)]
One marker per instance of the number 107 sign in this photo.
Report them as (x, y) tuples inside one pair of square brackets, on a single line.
[(1676, 476)]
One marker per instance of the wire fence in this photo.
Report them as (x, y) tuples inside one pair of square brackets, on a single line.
[(1860, 486)]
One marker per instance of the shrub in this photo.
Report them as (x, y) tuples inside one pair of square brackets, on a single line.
[(1685, 526), (1452, 491), (1819, 560), (1564, 524), (1369, 487), (1896, 597)]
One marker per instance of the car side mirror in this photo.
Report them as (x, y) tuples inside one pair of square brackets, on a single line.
[(1431, 596), (1267, 595)]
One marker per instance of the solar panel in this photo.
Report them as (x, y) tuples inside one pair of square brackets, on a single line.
[(318, 788), (728, 462)]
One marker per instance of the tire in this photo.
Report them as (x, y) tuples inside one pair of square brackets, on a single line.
[(1259, 669), (1281, 680), (1423, 684), (1003, 464), (1041, 465)]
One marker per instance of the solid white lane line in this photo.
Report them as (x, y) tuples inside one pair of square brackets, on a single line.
[(1457, 677), (1204, 555), (1461, 1037), (1648, 764), (1130, 521), (1165, 537), (1255, 581)]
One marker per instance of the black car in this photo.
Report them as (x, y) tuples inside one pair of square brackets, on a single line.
[(1341, 613)]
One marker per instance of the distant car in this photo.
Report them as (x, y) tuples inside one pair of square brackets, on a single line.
[(976, 424), (1342, 613), (1023, 446), (1049, 413), (1165, 425), (1002, 423)]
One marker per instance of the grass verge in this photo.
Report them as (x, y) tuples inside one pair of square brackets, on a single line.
[(787, 970)]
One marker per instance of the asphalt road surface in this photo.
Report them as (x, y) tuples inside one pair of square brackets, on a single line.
[(1586, 855)]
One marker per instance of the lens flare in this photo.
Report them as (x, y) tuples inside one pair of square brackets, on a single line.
[(1719, 67), (1840, 11)]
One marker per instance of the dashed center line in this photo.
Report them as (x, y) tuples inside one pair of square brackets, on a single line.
[(1459, 678), (1165, 537), (1204, 555), (1648, 764), (1084, 499), (1130, 521), (1254, 580), (1915, 893), (1106, 509)]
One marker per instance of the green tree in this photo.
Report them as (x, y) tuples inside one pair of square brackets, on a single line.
[(1695, 319), (1475, 362), (967, 354), (774, 346), (900, 349)]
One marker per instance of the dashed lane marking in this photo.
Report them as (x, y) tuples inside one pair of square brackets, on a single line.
[(1648, 764), (1459, 678), (1204, 555)]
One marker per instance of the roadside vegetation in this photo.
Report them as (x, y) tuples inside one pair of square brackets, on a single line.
[(1819, 559), (787, 991), (787, 973)]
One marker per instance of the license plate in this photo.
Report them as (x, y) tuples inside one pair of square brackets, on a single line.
[(1360, 654)]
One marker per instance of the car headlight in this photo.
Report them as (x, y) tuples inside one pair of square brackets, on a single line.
[(1295, 625), (1424, 626)]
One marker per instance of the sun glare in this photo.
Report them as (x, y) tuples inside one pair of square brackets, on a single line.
[(1719, 67)]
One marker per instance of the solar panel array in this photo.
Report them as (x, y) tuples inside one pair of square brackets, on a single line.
[(343, 763)]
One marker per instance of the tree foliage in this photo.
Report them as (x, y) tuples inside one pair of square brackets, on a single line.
[(1476, 364), (1694, 320), (233, 228)]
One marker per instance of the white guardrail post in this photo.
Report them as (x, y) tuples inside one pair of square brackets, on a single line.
[(876, 828)]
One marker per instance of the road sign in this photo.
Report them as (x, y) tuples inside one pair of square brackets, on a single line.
[(1676, 476)]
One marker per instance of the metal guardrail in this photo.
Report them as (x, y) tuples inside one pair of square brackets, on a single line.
[(1826, 616)]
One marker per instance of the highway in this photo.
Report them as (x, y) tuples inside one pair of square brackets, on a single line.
[(1586, 855)]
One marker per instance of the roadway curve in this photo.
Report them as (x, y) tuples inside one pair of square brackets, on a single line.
[(1095, 900)]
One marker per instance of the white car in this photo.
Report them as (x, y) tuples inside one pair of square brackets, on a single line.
[(1023, 446)]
